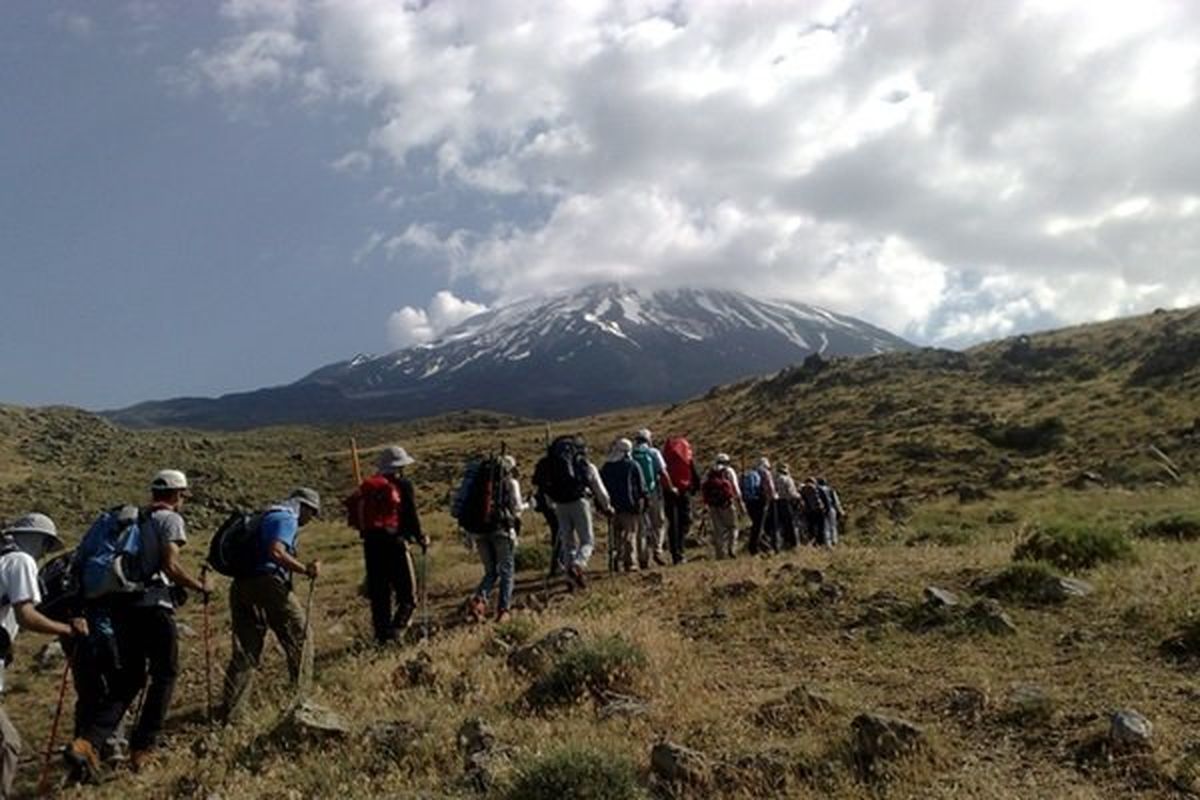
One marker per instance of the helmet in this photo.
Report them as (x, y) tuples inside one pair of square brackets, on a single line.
[(168, 479)]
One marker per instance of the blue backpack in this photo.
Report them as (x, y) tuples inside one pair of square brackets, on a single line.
[(751, 485), (645, 461), (110, 556)]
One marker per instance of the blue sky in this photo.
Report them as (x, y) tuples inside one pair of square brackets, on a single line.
[(208, 197)]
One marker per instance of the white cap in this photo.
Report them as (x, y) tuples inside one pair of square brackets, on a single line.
[(644, 436), (508, 463), (624, 446), (722, 458), (167, 479)]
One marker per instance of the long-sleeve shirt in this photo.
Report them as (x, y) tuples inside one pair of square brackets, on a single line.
[(785, 485), (598, 491)]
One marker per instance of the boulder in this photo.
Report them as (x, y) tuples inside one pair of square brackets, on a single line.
[(535, 658), (678, 765), (989, 617), (1061, 589), (940, 598), (795, 709), (1129, 730), (614, 704), (878, 737), (309, 722)]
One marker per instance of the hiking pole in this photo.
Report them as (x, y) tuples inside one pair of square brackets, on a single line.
[(424, 593), (44, 779), (356, 463), (612, 556), (208, 703), (304, 682)]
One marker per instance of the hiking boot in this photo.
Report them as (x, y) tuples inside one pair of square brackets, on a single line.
[(576, 574), (82, 761), (476, 609), (503, 615), (140, 759)]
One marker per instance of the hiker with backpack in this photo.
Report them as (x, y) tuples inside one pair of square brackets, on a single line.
[(834, 513), (758, 490), (491, 511), (573, 484), (384, 511), (627, 492), (545, 506), (22, 545), (142, 618), (654, 472), (785, 507), (723, 498), (684, 482), (815, 512), (261, 595)]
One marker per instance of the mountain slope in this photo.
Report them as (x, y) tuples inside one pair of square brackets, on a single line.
[(601, 348)]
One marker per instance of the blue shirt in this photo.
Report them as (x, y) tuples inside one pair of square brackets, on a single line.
[(279, 524)]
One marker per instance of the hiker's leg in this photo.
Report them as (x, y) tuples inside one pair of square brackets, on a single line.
[(486, 545), (404, 578), (504, 550), (286, 620), (10, 753), (658, 524), (587, 538), (674, 531), (162, 650), (377, 552), (249, 626), (125, 648), (684, 517), (565, 550), (551, 518), (625, 533)]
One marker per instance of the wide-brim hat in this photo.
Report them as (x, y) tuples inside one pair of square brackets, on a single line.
[(307, 497), (393, 458), (35, 523)]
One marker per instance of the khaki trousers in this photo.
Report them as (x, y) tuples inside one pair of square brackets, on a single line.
[(256, 605), (725, 533)]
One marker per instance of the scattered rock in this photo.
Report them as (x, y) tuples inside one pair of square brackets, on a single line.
[(737, 589), (1129, 730), (535, 658), (393, 740), (988, 616), (940, 598), (1085, 480), (878, 737), (614, 704), (1029, 704), (968, 703), (415, 672), (50, 655), (309, 722), (1061, 589), (477, 743), (677, 765), (795, 709)]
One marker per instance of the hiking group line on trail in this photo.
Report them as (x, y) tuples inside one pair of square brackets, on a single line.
[(112, 600)]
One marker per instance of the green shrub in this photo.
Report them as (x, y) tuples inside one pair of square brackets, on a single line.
[(1074, 547), (516, 631), (1046, 434), (1181, 527), (531, 557), (577, 773), (608, 664), (1021, 583)]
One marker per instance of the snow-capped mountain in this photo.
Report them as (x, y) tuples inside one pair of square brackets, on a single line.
[(600, 348)]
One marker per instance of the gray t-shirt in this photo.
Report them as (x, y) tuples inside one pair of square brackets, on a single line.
[(162, 527)]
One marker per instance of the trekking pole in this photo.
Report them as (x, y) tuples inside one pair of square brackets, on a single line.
[(612, 555), (424, 593), (355, 462), (304, 684), (208, 703), (44, 779)]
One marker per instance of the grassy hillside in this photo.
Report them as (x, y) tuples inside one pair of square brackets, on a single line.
[(948, 462)]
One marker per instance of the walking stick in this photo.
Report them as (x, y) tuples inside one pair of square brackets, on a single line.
[(354, 460), (44, 780), (208, 703), (612, 554), (424, 593), (304, 684)]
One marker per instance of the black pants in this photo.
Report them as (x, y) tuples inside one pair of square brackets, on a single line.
[(763, 537), (389, 575), (148, 646), (552, 521), (785, 524), (814, 521), (678, 508)]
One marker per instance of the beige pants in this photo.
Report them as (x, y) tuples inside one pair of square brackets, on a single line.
[(10, 753), (725, 533), (655, 536), (256, 605), (625, 539)]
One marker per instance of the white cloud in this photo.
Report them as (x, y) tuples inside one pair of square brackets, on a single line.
[(948, 172), (409, 326), (356, 162)]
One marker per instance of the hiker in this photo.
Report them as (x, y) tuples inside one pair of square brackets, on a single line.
[(22, 545), (654, 471), (815, 512), (265, 600), (834, 513), (723, 499), (627, 492), (785, 505), (545, 506), (573, 484), (758, 490), (677, 505), (144, 631), (384, 510), (497, 547)]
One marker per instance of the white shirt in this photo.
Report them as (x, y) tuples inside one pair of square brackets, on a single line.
[(18, 584)]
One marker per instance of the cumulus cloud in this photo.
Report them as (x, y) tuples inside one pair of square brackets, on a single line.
[(409, 326), (950, 171)]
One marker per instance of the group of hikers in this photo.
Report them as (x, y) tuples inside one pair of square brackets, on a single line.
[(112, 600), (646, 494)]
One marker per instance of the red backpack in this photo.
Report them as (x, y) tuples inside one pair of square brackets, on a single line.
[(375, 505), (718, 490), (677, 452)]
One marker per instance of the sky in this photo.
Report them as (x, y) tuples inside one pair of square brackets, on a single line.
[(198, 198)]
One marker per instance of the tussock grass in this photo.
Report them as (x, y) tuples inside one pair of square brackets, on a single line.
[(577, 772), (532, 556), (1074, 546), (587, 668), (1179, 527)]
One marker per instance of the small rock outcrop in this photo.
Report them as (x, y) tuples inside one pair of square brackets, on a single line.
[(880, 738), (535, 658), (310, 723), (677, 765)]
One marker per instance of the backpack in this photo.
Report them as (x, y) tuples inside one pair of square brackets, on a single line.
[(811, 498), (58, 582), (234, 549), (677, 452), (479, 503), (622, 479), (717, 489), (374, 505), (645, 461), (567, 469), (751, 485), (110, 555)]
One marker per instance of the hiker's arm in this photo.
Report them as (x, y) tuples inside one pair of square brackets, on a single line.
[(410, 520), (173, 566), (30, 619), (283, 558)]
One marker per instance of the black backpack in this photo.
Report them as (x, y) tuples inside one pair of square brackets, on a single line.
[(567, 469), (811, 499), (58, 581), (479, 506), (234, 549)]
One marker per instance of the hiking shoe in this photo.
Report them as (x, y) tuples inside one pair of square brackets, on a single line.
[(576, 573), (503, 615), (140, 759), (476, 609), (82, 761)]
